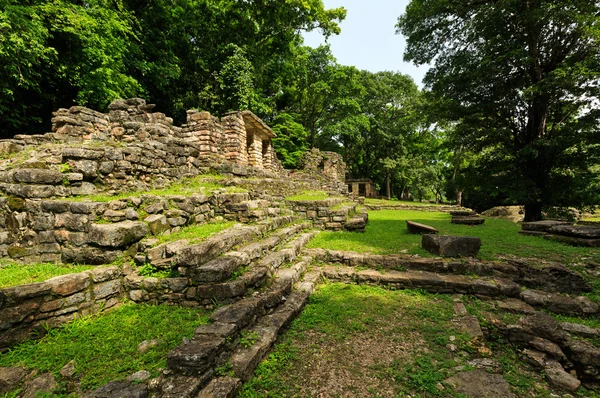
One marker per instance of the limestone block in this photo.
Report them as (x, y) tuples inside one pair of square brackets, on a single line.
[(118, 234), (38, 176), (451, 246)]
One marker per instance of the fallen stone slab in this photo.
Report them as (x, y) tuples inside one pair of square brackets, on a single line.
[(417, 228), (463, 213), (480, 384), (469, 325), (475, 220), (40, 386), (544, 225), (577, 231), (573, 241), (532, 233), (451, 246)]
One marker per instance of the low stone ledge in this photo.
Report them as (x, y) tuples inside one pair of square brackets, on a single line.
[(451, 246)]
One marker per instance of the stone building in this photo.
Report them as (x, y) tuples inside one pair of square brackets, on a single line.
[(362, 187)]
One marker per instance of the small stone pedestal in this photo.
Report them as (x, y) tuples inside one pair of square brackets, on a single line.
[(451, 246)]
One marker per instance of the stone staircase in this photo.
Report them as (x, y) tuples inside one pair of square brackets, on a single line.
[(224, 353)]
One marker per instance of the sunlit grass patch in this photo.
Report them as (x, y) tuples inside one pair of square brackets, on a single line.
[(386, 233), (105, 347), (309, 195), (395, 202), (12, 274), (195, 233)]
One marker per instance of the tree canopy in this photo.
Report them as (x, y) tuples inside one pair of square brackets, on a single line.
[(520, 80)]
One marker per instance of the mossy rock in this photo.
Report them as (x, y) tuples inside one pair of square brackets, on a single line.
[(15, 204)]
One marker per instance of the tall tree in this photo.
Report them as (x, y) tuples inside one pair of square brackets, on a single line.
[(521, 76)]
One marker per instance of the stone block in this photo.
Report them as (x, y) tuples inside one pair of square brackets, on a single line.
[(118, 234), (66, 285), (451, 246), (38, 176), (107, 289), (417, 228)]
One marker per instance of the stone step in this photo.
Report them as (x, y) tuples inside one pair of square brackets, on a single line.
[(261, 316), (550, 276), (222, 268), (257, 273), (425, 280), (184, 255)]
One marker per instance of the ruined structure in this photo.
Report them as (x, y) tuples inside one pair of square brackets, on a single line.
[(362, 187)]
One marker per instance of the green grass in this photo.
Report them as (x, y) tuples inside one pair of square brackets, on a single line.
[(20, 274), (309, 195), (386, 233), (380, 343), (195, 233), (395, 202), (105, 346), (187, 187)]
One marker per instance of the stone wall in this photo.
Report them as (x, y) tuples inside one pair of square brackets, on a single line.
[(330, 164), (131, 148), (99, 232), (29, 310)]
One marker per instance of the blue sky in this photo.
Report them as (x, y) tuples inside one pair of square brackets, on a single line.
[(368, 40)]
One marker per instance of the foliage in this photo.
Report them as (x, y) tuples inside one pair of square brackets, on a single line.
[(520, 81), (309, 195), (105, 346), (291, 141), (195, 233), (19, 274)]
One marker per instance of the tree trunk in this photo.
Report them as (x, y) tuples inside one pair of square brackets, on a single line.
[(459, 197), (387, 183), (533, 212)]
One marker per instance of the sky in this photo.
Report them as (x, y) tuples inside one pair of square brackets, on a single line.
[(368, 39)]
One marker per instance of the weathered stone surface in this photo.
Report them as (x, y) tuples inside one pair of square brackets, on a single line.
[(222, 387), (545, 326), (474, 220), (515, 306), (543, 226), (469, 325), (183, 386), (195, 357), (38, 176), (43, 384), (357, 224), (577, 231), (574, 241), (417, 228), (581, 330), (89, 255), (10, 378), (480, 384), (66, 285), (548, 347), (140, 376), (107, 289), (118, 234), (559, 378), (451, 246), (157, 223), (120, 389), (68, 370), (582, 352), (245, 360), (212, 247), (218, 269)]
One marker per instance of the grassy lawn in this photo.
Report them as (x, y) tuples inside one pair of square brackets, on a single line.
[(19, 274), (386, 233), (393, 202), (369, 342), (105, 346), (195, 233), (309, 195)]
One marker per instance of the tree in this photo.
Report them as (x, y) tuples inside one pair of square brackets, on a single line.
[(520, 79)]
